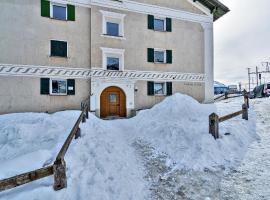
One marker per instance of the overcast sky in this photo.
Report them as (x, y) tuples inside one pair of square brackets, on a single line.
[(242, 39)]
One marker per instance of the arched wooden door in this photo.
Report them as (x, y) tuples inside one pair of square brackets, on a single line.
[(112, 102)]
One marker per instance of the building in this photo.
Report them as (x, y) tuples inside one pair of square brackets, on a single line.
[(220, 88), (127, 55)]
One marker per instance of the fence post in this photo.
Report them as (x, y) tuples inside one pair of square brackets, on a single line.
[(59, 171), (226, 95), (246, 99), (87, 112), (245, 112), (78, 133), (83, 118), (213, 125)]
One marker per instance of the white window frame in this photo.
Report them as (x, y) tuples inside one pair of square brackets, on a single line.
[(50, 50), (161, 18), (165, 55), (111, 52), (57, 4), (114, 18), (58, 94), (164, 90)]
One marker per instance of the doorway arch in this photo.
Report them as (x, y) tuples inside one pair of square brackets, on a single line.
[(112, 102)]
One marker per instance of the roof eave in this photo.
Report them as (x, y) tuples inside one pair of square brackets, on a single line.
[(216, 7)]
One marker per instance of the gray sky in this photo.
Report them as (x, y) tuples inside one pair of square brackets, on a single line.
[(241, 40)]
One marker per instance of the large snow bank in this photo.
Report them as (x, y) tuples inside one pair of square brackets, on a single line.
[(100, 165), (104, 163), (179, 127)]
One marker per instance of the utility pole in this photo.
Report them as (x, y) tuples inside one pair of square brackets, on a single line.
[(248, 79), (240, 86), (257, 76)]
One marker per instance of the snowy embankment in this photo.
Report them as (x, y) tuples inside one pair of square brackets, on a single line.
[(104, 163)]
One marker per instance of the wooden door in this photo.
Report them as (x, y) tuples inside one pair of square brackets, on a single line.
[(112, 103)]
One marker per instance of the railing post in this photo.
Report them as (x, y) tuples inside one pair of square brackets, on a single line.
[(87, 112), (246, 99), (244, 112), (78, 133), (83, 118), (226, 95), (213, 125), (59, 171)]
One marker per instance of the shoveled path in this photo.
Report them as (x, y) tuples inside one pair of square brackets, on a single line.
[(251, 181)]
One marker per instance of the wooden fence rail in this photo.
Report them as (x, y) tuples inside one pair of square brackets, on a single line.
[(214, 120), (25, 178), (58, 169)]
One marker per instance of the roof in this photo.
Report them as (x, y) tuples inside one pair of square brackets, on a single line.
[(218, 84), (216, 7)]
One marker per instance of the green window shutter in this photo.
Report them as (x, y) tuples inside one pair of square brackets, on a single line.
[(45, 8), (169, 56), (151, 22), (169, 88), (71, 12), (44, 86), (168, 24), (150, 55), (70, 86), (150, 88)]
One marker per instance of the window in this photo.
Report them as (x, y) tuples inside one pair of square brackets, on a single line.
[(58, 48), (59, 11), (113, 98), (112, 63), (58, 87), (113, 24), (113, 59), (159, 89), (112, 29), (160, 56), (159, 24)]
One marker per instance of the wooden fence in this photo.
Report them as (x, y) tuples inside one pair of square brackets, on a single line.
[(214, 119), (227, 96), (58, 169)]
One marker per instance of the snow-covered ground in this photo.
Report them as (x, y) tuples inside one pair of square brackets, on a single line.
[(163, 153)]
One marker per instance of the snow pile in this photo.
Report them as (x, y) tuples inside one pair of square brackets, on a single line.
[(32, 138), (100, 164), (104, 164), (179, 127)]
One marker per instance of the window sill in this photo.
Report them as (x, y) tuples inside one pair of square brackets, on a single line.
[(58, 94), (113, 37), (160, 95), (160, 63), (110, 70), (63, 20), (58, 57)]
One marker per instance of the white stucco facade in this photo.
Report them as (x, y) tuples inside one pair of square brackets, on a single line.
[(26, 52)]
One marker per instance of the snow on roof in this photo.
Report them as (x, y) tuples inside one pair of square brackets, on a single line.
[(218, 84)]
